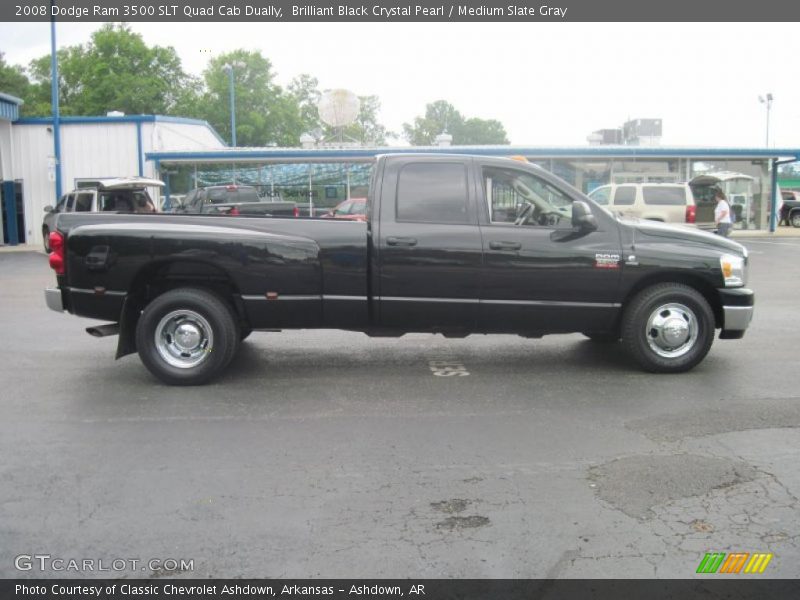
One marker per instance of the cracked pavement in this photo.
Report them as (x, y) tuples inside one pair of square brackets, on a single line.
[(329, 454)]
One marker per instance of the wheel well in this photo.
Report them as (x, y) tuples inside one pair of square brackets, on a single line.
[(693, 281), (157, 278)]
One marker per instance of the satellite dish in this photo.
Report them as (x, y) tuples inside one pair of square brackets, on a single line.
[(338, 108)]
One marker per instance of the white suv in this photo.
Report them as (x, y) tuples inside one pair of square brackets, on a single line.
[(665, 202)]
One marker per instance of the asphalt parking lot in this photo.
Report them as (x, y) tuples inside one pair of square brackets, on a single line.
[(330, 454)]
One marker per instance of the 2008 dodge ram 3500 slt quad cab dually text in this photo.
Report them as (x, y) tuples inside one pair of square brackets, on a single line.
[(452, 244)]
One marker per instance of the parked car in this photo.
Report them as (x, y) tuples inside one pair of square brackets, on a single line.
[(437, 254), (790, 211), (119, 194), (354, 209), (664, 202), (233, 200)]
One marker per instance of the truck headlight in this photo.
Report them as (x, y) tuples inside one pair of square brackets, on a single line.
[(734, 270)]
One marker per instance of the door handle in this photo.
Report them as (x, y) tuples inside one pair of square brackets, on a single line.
[(505, 245), (401, 241)]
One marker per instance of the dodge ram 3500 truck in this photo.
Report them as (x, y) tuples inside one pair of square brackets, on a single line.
[(451, 244)]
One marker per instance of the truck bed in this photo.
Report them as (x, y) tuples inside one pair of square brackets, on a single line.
[(314, 270)]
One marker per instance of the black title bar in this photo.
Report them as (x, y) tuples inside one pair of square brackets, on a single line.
[(271, 11)]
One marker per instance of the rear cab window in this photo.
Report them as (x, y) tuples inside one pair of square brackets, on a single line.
[(433, 192)]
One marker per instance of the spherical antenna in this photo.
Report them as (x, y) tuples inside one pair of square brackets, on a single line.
[(338, 108)]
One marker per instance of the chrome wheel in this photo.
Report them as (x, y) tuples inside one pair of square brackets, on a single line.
[(184, 339), (672, 330)]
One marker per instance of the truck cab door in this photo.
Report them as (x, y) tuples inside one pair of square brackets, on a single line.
[(541, 274), (429, 251)]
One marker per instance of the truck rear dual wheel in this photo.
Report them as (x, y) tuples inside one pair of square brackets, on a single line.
[(668, 328), (187, 336)]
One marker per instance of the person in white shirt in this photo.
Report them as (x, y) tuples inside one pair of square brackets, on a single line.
[(722, 214)]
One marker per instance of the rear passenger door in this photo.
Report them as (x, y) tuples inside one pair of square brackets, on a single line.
[(429, 251)]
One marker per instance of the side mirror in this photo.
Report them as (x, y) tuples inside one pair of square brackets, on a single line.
[(48, 208), (582, 217)]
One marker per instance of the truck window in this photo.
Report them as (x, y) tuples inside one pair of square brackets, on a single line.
[(433, 192), (601, 195), (70, 202), (83, 203), (519, 197), (624, 195)]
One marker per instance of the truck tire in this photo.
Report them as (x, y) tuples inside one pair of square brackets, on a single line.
[(794, 218), (187, 336), (46, 239), (668, 328)]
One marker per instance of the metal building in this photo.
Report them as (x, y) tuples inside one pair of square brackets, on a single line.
[(91, 148)]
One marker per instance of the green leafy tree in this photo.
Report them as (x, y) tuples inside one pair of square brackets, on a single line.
[(12, 79), (304, 89), (443, 117), (367, 129), (440, 117), (115, 70), (265, 113), (480, 131)]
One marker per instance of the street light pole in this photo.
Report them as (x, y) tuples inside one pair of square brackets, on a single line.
[(768, 102), (229, 68)]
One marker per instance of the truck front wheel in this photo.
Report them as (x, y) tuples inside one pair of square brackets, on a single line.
[(186, 336), (668, 328)]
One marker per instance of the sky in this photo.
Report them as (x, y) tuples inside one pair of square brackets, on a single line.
[(548, 83)]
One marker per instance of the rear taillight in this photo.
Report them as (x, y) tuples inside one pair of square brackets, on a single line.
[(691, 213), (296, 212), (56, 241), (234, 212)]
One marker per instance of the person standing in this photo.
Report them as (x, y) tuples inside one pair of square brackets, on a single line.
[(722, 214)]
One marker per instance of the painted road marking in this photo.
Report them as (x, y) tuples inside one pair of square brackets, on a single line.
[(441, 367)]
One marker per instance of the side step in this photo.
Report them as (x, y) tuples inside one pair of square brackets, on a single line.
[(103, 330)]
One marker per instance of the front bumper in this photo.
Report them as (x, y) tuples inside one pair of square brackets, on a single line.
[(737, 312), (52, 296)]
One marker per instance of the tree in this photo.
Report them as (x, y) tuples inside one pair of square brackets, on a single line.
[(443, 117), (440, 117), (304, 89), (115, 70), (366, 128), (12, 79), (265, 113), (481, 131)]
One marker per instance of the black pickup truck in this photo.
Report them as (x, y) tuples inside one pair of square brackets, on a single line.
[(452, 244)]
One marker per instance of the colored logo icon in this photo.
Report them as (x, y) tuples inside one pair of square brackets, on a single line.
[(735, 562)]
